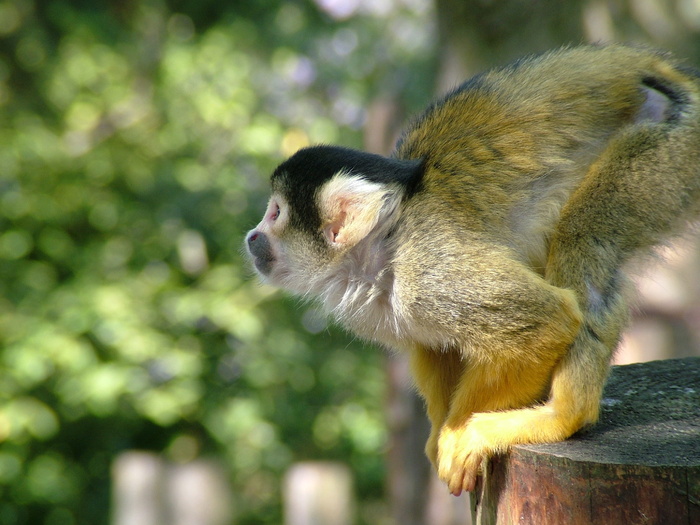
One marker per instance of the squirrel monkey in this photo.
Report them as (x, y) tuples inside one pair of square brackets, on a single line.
[(490, 246)]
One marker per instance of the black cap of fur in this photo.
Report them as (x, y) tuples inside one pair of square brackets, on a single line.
[(299, 177)]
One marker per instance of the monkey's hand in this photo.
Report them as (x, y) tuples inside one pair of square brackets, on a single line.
[(460, 454)]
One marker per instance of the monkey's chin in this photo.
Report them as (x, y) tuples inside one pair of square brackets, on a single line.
[(276, 275), (264, 266)]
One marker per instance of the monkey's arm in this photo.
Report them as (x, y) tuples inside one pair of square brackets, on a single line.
[(509, 367), (488, 340), (436, 375)]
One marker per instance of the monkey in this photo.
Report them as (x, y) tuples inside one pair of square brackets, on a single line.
[(493, 245)]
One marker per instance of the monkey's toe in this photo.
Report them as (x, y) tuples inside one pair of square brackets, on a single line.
[(458, 463)]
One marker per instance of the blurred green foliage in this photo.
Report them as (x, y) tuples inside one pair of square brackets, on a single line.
[(135, 143)]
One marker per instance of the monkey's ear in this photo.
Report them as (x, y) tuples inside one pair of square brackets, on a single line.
[(351, 208), (657, 106)]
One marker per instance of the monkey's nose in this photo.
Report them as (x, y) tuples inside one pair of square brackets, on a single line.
[(260, 249), (257, 242)]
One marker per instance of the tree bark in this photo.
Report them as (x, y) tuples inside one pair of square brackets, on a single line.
[(639, 464)]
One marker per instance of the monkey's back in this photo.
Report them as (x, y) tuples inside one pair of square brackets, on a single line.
[(510, 145), (542, 105)]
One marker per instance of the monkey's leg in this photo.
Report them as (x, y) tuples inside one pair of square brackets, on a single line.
[(479, 423), (641, 190), (436, 373)]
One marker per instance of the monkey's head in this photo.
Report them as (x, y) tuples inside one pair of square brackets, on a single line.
[(328, 206)]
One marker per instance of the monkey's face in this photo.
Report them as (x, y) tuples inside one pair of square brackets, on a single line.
[(263, 252), (311, 255), (282, 254), (290, 253), (329, 206)]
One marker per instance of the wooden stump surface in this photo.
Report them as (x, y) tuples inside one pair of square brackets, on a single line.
[(639, 465)]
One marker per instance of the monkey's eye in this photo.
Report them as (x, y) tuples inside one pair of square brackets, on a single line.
[(275, 213)]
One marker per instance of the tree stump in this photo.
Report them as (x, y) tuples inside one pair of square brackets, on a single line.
[(640, 464)]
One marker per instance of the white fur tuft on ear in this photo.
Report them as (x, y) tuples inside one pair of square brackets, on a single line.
[(351, 207)]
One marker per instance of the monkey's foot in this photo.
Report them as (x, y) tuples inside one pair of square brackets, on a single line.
[(462, 448)]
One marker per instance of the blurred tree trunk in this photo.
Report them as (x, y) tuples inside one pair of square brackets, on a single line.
[(409, 468), (477, 34)]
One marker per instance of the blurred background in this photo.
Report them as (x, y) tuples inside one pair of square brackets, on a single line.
[(141, 364)]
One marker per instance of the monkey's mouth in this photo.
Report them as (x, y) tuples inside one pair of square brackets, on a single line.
[(264, 265)]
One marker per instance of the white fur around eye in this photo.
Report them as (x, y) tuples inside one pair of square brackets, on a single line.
[(275, 215)]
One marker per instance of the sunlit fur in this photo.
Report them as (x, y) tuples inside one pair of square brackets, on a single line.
[(358, 293), (492, 246)]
